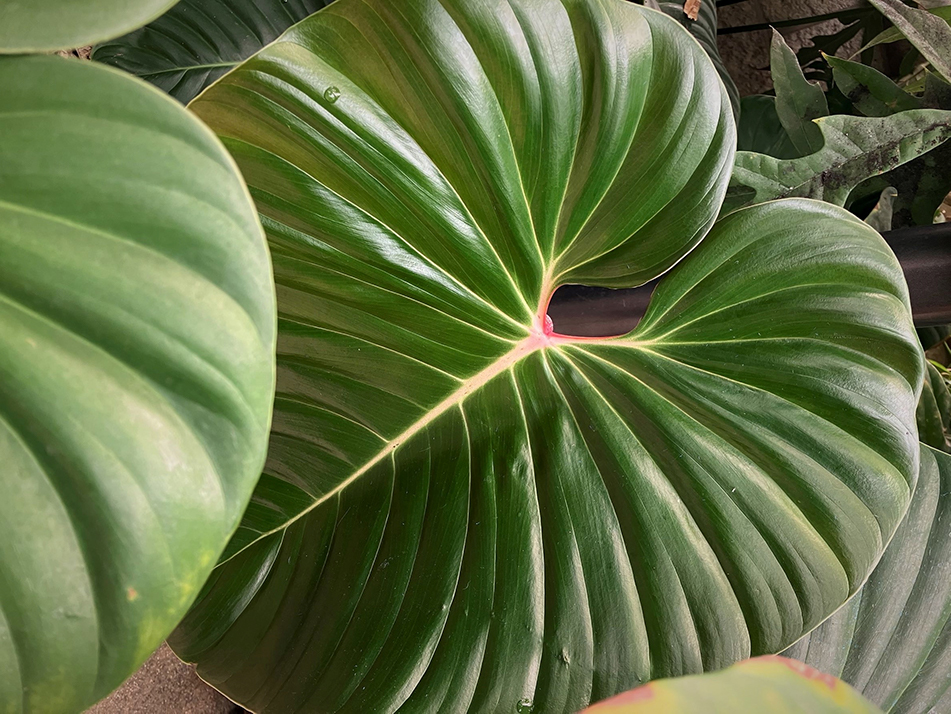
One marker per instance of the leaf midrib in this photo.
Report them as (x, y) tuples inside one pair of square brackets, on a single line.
[(536, 341)]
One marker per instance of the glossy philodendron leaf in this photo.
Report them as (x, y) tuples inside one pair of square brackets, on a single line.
[(767, 685), (136, 373), (460, 508), (197, 41), (760, 130), (855, 149), (930, 34), (704, 30), (798, 101), (46, 25), (892, 641)]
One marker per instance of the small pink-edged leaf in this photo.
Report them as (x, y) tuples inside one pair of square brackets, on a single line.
[(765, 684)]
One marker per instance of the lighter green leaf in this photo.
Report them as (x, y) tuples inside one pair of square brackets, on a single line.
[(46, 25), (892, 641), (894, 34), (870, 91), (855, 149), (798, 101), (922, 184), (928, 32), (197, 41), (765, 685), (462, 509), (136, 373), (881, 216)]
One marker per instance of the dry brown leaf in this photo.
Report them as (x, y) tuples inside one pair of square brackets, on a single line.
[(692, 8)]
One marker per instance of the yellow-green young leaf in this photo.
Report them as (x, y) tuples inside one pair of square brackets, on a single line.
[(463, 510), (770, 685), (892, 641), (197, 41), (137, 331), (46, 25)]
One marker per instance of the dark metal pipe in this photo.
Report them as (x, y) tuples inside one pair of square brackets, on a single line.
[(925, 256), (923, 251)]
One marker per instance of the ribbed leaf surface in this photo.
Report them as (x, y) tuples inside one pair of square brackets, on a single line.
[(892, 641), (46, 25), (462, 510), (197, 41), (137, 331)]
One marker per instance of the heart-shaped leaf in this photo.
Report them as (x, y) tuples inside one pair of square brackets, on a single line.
[(197, 41), (46, 25), (855, 149), (136, 373), (464, 510), (892, 641), (773, 685)]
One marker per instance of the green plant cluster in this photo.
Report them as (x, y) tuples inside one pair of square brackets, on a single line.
[(278, 382)]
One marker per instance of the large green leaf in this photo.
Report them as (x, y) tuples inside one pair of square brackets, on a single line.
[(460, 506), (136, 373), (704, 30), (197, 41), (855, 148), (45, 25), (798, 101), (765, 685), (928, 32), (892, 641)]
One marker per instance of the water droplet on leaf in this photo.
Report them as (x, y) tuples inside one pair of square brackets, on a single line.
[(332, 94), (524, 706)]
